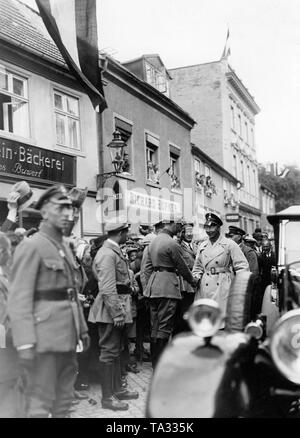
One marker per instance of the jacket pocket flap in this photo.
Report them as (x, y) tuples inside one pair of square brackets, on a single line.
[(54, 264), (42, 315)]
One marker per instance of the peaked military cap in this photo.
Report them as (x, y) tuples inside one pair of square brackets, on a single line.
[(213, 219), (249, 238), (54, 194), (188, 224), (114, 226), (236, 230)]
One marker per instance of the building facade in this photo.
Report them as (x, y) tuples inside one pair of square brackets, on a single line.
[(267, 205), (47, 124), (50, 133), (215, 190), (157, 181), (225, 114)]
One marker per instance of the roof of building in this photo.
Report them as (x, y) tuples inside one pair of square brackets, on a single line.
[(148, 57), (22, 26)]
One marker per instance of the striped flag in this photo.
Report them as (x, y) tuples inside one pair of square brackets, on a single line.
[(72, 24), (226, 52)]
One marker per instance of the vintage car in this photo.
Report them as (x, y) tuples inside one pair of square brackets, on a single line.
[(250, 369)]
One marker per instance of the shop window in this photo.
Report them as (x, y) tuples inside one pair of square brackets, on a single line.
[(152, 144), (14, 114), (67, 122)]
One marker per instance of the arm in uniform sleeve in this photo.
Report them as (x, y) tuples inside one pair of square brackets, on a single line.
[(180, 264), (198, 268), (24, 273), (106, 274), (146, 268), (253, 263), (8, 225), (239, 261)]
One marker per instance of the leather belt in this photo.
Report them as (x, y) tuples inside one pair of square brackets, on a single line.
[(164, 268), (215, 271), (123, 289), (58, 294)]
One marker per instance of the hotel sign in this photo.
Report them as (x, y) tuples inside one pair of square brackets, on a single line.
[(28, 162), (152, 203)]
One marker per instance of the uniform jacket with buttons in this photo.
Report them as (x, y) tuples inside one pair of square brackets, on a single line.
[(251, 257), (44, 262), (189, 255), (163, 251), (224, 254), (111, 268), (8, 354)]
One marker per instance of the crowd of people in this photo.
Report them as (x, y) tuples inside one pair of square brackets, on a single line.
[(73, 310)]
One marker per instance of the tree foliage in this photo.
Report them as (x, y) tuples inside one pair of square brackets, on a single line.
[(287, 188)]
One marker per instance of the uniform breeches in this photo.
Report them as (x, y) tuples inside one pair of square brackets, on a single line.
[(110, 341), (10, 406), (51, 385), (162, 317), (183, 306)]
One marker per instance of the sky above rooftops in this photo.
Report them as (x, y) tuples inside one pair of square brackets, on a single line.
[(265, 52)]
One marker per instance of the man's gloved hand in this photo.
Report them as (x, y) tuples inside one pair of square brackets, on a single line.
[(119, 321), (196, 280), (86, 341)]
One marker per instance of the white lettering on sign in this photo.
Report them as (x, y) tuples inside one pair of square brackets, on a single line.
[(140, 200)]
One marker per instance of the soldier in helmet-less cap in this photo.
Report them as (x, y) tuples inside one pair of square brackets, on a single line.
[(237, 234), (164, 264), (216, 259), (112, 310), (46, 316)]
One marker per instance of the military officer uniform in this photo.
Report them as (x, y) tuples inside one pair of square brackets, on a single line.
[(216, 264), (9, 401), (113, 300), (248, 252), (164, 264), (46, 315), (187, 290)]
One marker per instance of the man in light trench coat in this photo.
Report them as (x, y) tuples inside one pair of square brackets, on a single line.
[(217, 260)]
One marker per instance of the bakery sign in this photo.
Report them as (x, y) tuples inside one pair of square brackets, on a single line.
[(30, 162)]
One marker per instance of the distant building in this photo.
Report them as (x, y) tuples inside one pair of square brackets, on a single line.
[(267, 205), (225, 114)]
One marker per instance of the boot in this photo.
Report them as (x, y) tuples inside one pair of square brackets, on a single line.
[(152, 351), (120, 392), (109, 401), (159, 347)]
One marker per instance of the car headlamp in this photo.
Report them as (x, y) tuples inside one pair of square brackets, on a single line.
[(204, 317), (285, 345)]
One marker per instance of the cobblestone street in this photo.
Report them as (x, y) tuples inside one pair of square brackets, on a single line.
[(136, 382)]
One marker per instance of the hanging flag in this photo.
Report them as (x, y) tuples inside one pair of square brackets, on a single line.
[(72, 24), (226, 52)]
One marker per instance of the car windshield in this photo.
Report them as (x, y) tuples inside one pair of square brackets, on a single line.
[(292, 242)]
